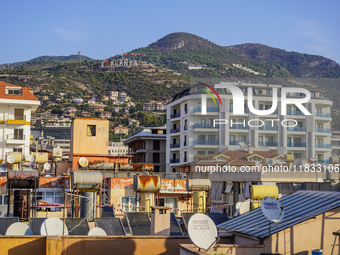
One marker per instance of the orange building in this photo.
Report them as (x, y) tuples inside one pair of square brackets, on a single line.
[(90, 139)]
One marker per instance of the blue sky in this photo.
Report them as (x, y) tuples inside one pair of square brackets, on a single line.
[(102, 29)]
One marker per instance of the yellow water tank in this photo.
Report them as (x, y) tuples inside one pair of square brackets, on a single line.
[(255, 204), (41, 157), (289, 157), (199, 201), (257, 192), (147, 200)]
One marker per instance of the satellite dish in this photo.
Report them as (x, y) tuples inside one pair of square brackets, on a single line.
[(83, 162), (29, 157), (202, 231), (19, 229), (272, 209), (245, 207), (53, 227), (47, 166), (97, 232), (242, 144), (10, 159)]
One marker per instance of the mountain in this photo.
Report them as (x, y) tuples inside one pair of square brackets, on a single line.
[(41, 59), (172, 63), (178, 50)]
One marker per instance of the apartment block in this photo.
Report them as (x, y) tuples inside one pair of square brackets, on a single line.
[(148, 146), (16, 105), (192, 133)]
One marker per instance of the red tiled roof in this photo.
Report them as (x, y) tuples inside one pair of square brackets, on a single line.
[(26, 94)]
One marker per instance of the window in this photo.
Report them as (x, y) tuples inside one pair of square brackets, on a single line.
[(19, 114), (186, 108), (17, 149), (129, 204), (169, 202), (3, 201), (156, 158), (51, 197), (91, 130), (14, 91), (156, 145), (18, 134)]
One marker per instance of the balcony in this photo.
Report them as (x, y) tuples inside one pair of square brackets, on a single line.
[(175, 145), (209, 109), (245, 110), (238, 126), (15, 139), (323, 114), (268, 144), (177, 115), (323, 130), (237, 142), (323, 146), (294, 113), (296, 145), (175, 130), (201, 142), (299, 129), (205, 126), (174, 161), (268, 128), (18, 120)]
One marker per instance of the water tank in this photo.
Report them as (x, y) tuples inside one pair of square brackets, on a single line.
[(22, 179), (146, 183), (289, 157), (125, 167), (41, 157), (17, 157), (199, 201), (88, 205), (21, 204), (255, 204), (257, 192), (147, 200), (86, 180)]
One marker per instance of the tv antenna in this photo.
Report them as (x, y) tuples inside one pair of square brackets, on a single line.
[(202, 231), (272, 210)]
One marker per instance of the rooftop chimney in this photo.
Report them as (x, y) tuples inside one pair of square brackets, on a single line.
[(250, 149)]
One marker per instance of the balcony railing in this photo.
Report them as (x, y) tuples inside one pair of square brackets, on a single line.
[(294, 113), (245, 110), (209, 109), (16, 137), (173, 161), (296, 144), (325, 146), (238, 126), (175, 130), (175, 145), (323, 114), (268, 144), (268, 128), (177, 115), (237, 142), (323, 130), (205, 126), (201, 142), (303, 129)]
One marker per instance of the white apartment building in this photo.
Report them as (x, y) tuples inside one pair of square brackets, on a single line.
[(118, 148), (16, 105), (191, 133)]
